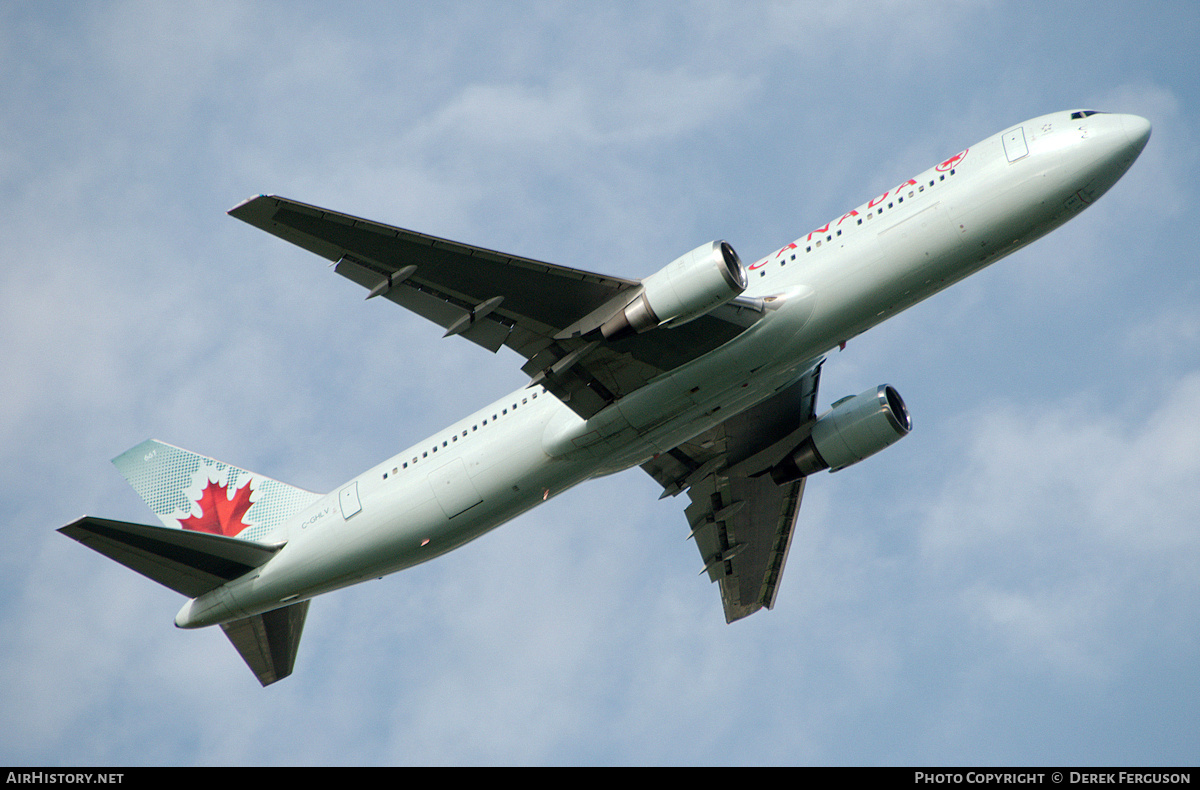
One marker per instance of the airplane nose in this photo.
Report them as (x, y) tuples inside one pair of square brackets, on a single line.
[(1137, 132)]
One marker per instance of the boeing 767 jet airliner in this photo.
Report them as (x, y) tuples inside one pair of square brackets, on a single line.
[(704, 374)]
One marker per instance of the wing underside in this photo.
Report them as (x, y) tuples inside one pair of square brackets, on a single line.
[(741, 521), (745, 551), (549, 314)]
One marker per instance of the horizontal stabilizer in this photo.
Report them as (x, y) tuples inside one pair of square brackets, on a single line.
[(268, 642), (191, 563)]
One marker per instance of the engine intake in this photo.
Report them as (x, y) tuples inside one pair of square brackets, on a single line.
[(683, 290), (855, 428)]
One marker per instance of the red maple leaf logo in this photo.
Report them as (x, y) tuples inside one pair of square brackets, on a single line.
[(219, 514), (952, 161)]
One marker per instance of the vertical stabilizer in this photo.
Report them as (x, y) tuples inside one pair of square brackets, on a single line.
[(193, 492)]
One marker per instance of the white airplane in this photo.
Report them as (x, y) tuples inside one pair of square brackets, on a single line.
[(704, 374)]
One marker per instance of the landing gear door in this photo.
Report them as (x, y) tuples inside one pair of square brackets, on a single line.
[(348, 499), (453, 488), (1014, 144)]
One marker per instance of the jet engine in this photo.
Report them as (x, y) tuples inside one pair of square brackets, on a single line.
[(855, 428), (685, 289)]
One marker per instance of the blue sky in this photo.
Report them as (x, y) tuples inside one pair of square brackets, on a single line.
[(1018, 582)]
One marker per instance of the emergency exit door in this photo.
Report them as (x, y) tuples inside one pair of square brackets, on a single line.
[(1014, 144)]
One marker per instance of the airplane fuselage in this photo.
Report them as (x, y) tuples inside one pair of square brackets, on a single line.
[(817, 292)]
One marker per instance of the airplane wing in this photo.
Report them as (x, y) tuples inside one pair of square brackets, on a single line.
[(741, 520), (548, 314)]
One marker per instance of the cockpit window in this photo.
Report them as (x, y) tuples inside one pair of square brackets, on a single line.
[(1084, 113)]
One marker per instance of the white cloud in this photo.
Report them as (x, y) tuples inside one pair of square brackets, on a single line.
[(1062, 524)]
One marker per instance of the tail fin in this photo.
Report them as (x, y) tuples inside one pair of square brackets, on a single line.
[(193, 492), (193, 495)]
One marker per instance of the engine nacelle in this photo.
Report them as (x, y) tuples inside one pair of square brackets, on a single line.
[(685, 289), (855, 428)]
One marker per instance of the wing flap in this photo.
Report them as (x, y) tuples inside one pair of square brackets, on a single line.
[(191, 563)]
